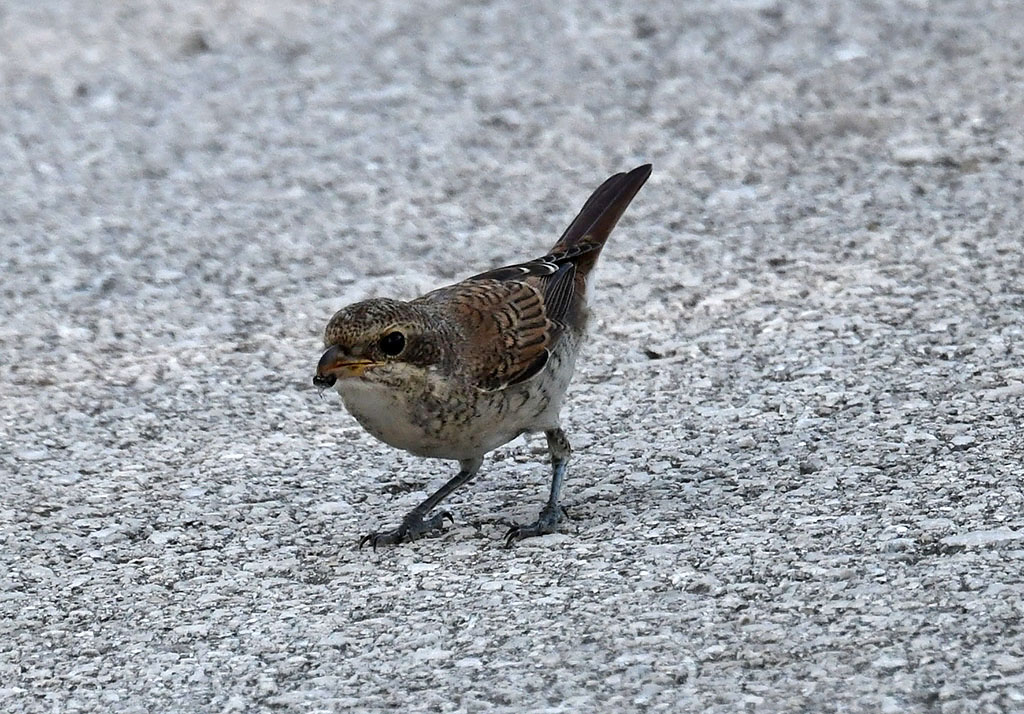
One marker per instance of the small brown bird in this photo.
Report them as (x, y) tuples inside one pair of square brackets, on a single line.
[(466, 368)]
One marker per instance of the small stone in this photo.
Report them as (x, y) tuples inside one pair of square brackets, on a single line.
[(962, 441)]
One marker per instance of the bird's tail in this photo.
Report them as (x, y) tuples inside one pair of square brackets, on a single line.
[(595, 221)]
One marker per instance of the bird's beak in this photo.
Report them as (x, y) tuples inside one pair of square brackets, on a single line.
[(335, 365)]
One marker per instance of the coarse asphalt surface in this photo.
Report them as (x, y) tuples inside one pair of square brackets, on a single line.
[(797, 425)]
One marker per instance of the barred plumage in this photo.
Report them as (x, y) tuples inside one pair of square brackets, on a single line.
[(468, 367)]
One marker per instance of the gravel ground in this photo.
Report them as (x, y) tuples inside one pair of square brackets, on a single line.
[(797, 425)]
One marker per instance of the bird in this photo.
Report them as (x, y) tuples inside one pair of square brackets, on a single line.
[(466, 368)]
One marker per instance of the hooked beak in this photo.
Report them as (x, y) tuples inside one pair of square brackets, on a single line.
[(335, 365)]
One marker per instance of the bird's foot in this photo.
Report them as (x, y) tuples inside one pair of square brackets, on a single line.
[(413, 526), (547, 523)]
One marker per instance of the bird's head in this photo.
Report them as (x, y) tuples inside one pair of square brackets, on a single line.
[(373, 339)]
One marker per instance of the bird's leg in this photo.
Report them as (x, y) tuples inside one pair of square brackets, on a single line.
[(551, 515), (414, 524)]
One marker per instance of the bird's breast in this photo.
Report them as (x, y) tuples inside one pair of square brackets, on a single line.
[(441, 420), (430, 414)]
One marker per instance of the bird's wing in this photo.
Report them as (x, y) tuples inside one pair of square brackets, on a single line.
[(510, 319)]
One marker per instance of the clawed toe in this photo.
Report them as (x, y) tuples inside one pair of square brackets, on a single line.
[(392, 537), (545, 524), (413, 526)]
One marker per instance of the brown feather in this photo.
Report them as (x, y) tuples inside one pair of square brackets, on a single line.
[(595, 221), (505, 328), (512, 317)]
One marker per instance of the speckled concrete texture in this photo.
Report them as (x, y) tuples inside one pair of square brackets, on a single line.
[(797, 475)]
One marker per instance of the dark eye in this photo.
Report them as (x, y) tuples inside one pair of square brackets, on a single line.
[(392, 344)]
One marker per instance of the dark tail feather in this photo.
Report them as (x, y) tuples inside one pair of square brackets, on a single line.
[(600, 213)]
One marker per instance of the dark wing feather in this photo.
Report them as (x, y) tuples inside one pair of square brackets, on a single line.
[(559, 291)]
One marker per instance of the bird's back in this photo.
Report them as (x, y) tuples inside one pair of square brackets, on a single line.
[(513, 318)]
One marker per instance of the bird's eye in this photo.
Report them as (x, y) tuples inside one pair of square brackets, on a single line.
[(392, 344)]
